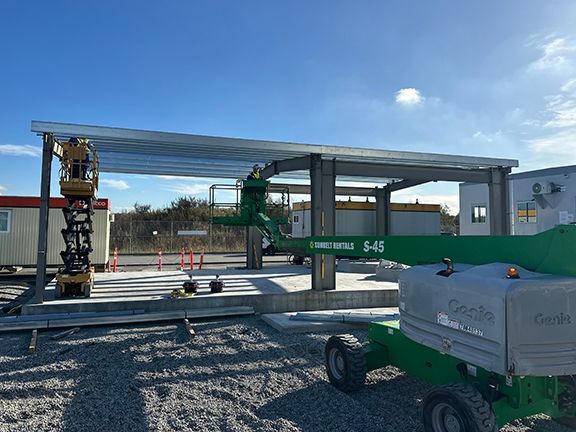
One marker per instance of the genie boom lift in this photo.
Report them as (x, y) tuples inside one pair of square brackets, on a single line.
[(489, 320)]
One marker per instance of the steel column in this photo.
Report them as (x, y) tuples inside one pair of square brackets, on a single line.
[(323, 215), (498, 197), (383, 212), (47, 146), (253, 248)]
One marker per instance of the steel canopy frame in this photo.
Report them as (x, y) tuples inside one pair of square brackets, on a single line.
[(141, 144), (165, 153)]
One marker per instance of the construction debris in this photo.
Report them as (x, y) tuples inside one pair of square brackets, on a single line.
[(344, 317), (33, 340), (65, 333), (82, 319), (189, 328)]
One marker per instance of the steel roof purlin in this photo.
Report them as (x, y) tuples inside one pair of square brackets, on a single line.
[(166, 153)]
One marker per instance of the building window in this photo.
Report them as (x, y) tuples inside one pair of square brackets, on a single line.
[(526, 211), (5, 221), (295, 219), (479, 213)]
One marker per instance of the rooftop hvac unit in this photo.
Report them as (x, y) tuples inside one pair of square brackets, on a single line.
[(541, 188)]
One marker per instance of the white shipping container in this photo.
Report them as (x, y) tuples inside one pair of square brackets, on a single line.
[(355, 218), (19, 219)]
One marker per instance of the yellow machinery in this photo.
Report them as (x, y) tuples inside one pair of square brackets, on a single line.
[(79, 185)]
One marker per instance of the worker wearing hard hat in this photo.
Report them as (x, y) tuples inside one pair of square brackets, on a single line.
[(255, 174)]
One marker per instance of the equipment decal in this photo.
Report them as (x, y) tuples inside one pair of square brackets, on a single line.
[(444, 319)]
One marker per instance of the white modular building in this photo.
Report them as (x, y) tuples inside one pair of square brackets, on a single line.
[(538, 201), (359, 218), (19, 221)]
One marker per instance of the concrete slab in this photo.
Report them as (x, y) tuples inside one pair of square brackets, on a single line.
[(274, 289), (283, 323), (81, 319), (350, 266)]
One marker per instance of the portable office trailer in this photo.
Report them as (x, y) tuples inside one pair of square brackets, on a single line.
[(19, 231), (538, 200), (359, 218)]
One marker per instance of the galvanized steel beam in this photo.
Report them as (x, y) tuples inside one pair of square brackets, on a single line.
[(280, 166), (47, 148), (428, 173), (259, 149), (405, 184)]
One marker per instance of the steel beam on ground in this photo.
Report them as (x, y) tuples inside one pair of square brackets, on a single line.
[(47, 148), (498, 206)]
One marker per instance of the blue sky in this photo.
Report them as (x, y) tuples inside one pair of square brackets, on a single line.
[(485, 78)]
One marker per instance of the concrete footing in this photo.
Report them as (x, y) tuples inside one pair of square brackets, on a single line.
[(284, 324), (279, 289)]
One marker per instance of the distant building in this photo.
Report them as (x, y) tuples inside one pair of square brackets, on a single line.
[(19, 221), (538, 201), (359, 218)]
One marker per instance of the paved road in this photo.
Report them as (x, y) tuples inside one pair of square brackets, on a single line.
[(209, 259)]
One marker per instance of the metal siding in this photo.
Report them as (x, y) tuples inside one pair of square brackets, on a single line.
[(20, 245), (470, 194), (363, 222), (415, 223), (548, 206), (355, 222)]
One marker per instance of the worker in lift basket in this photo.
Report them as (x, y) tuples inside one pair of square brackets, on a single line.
[(255, 174)]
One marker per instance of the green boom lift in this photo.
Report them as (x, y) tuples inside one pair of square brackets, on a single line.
[(494, 327)]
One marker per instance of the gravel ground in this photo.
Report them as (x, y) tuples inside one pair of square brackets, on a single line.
[(16, 289), (236, 375)]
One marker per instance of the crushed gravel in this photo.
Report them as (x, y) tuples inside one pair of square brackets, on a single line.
[(235, 375)]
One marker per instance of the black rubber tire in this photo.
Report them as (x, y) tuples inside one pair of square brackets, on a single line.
[(466, 405), (296, 259), (270, 250), (345, 363)]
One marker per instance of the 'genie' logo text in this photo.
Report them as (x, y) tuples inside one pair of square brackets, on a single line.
[(474, 313), (553, 320)]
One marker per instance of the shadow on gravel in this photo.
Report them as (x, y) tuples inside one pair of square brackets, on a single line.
[(106, 391), (320, 407), (14, 290)]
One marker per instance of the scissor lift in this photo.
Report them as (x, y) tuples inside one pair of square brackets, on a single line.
[(79, 185)]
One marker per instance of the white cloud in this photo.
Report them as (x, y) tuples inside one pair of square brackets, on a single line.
[(2, 190), (487, 137), (569, 86), (562, 107), (409, 97), (20, 150), (188, 189), (563, 111), (555, 149), (116, 184), (555, 53)]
